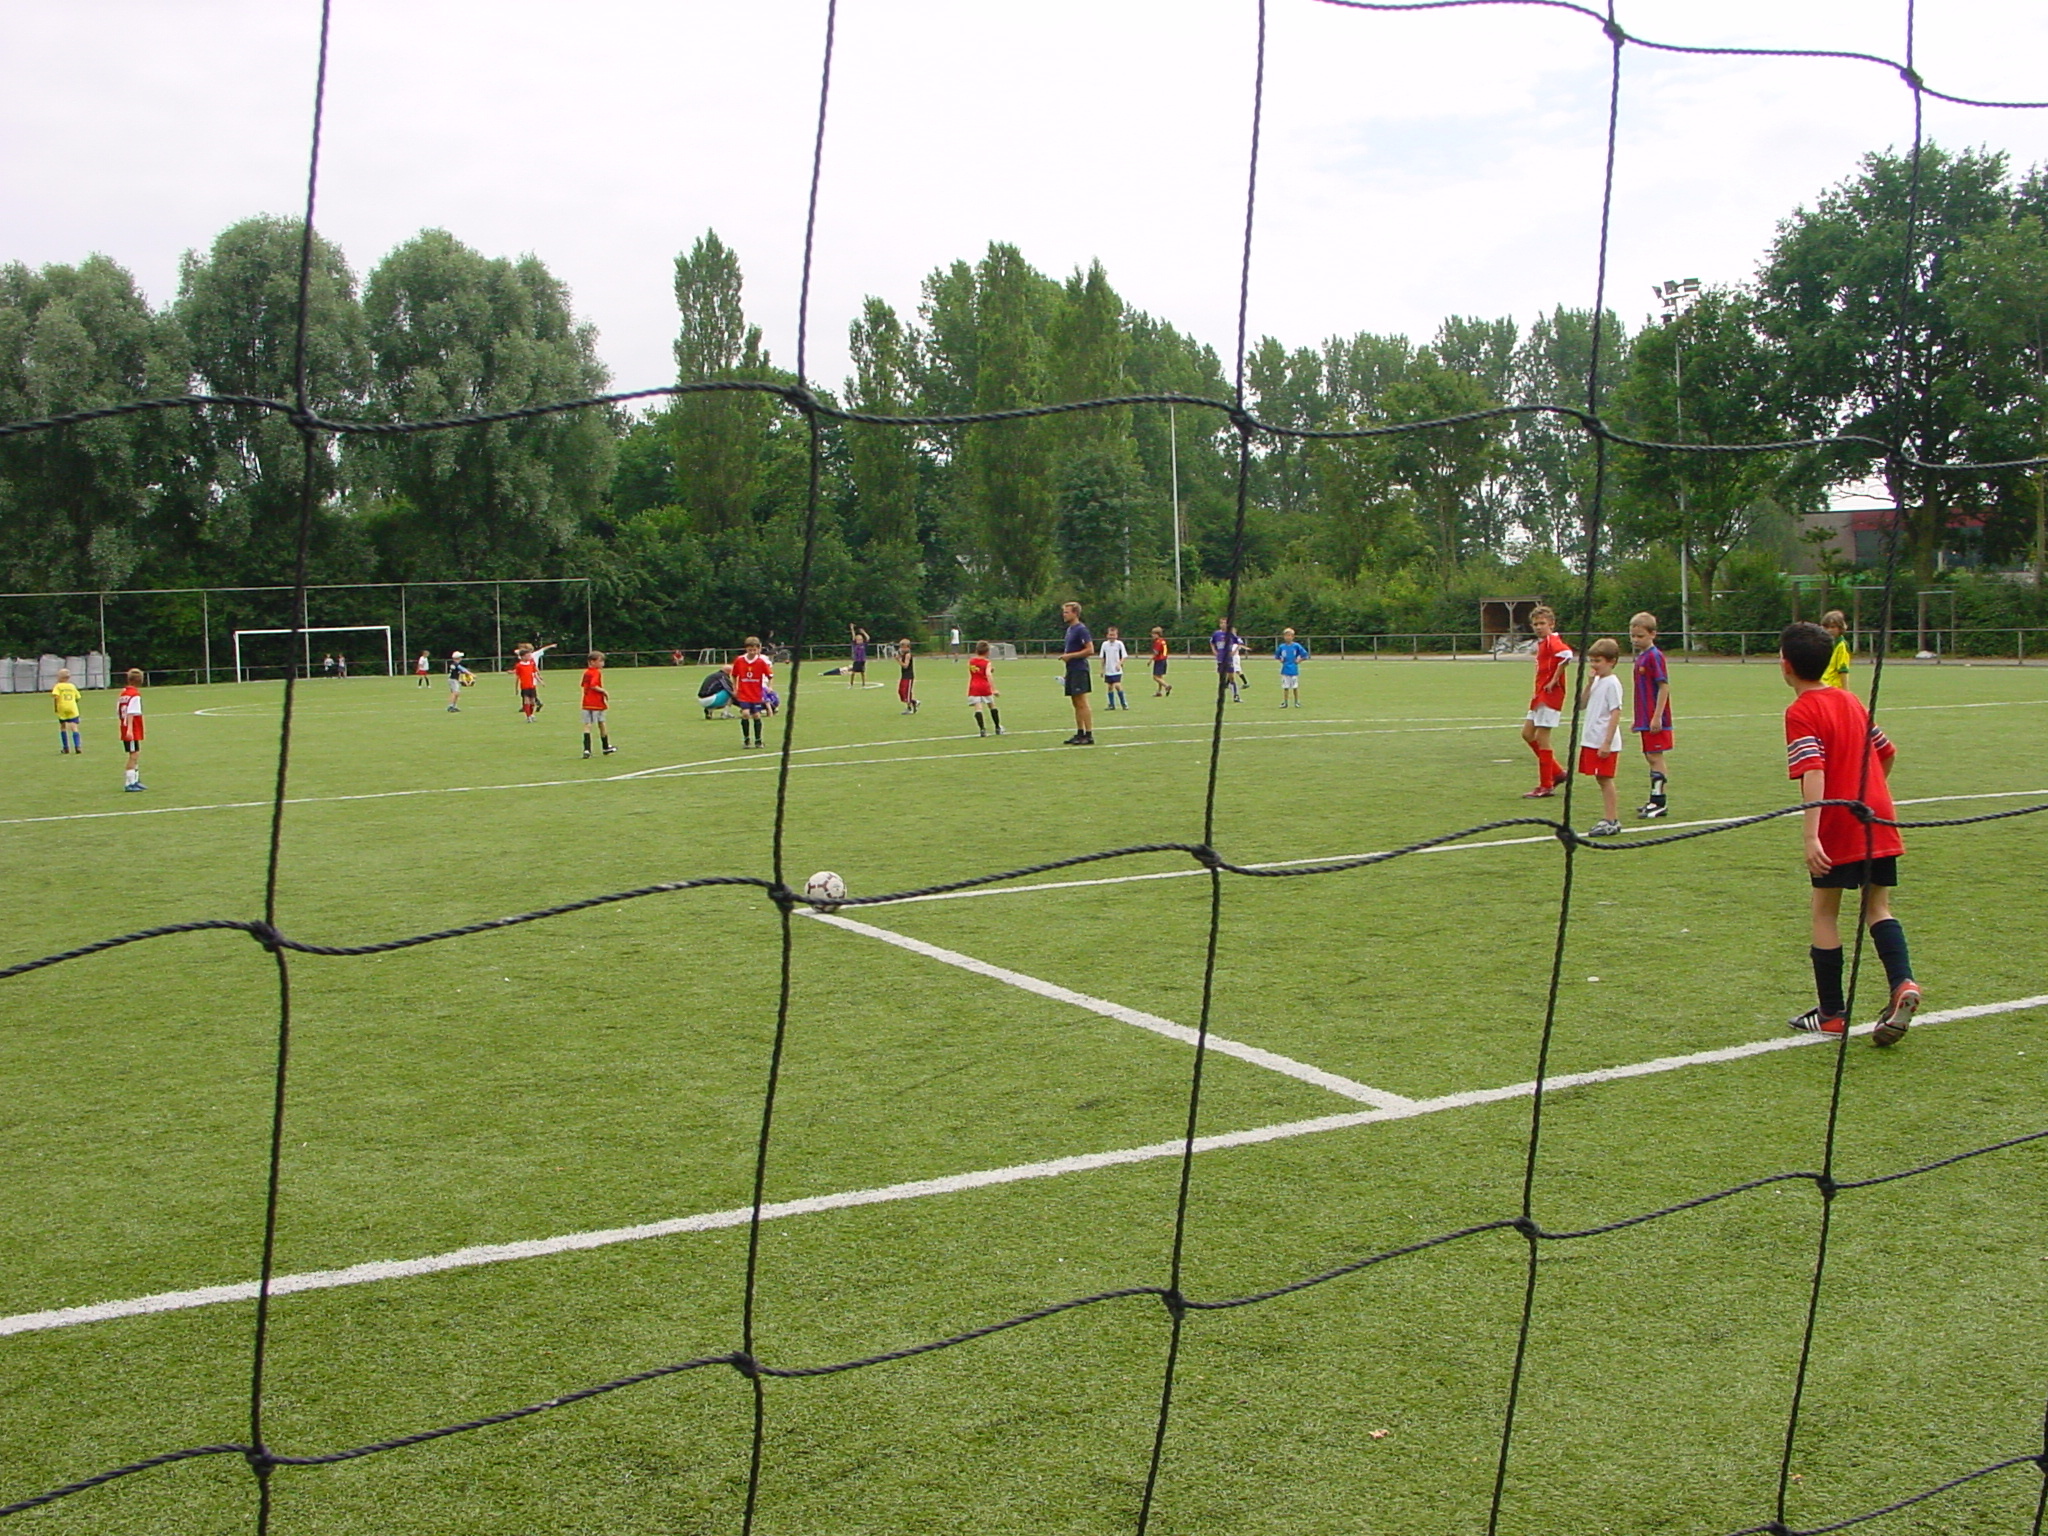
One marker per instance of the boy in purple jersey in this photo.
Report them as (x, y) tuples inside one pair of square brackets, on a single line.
[(1225, 642), (1653, 709)]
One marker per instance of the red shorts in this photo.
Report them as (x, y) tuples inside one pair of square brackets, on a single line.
[(1597, 764), (132, 737), (1654, 741), (903, 686)]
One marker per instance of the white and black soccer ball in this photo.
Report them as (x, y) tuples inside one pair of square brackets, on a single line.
[(827, 889)]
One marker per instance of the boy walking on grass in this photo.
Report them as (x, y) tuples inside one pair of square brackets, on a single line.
[(1600, 734), (64, 696), (750, 673), (1160, 686), (1290, 653), (906, 685), (1835, 753), (526, 673), (1546, 704), (1653, 709), (459, 678), (595, 701), (128, 716), (1113, 653), (982, 692)]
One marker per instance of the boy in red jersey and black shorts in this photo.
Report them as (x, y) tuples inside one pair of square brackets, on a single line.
[(1546, 704), (982, 691), (1835, 753), (750, 673), (595, 702), (526, 674), (128, 716)]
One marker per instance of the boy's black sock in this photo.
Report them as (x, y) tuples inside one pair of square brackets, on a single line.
[(1890, 940), (1827, 980), (995, 717), (586, 743)]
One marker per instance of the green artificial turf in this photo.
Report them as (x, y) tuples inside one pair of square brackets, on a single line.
[(606, 1068)]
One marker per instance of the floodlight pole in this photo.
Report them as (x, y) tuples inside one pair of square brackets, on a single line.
[(498, 607), (1677, 297), (1173, 458)]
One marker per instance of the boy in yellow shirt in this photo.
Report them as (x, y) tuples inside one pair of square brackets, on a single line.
[(1837, 674), (65, 697)]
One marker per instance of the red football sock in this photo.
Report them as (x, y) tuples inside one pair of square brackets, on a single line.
[(1552, 774)]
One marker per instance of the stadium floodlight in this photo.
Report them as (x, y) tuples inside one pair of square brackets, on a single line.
[(307, 634)]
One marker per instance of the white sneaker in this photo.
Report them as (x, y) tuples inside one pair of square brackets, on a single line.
[(1605, 829)]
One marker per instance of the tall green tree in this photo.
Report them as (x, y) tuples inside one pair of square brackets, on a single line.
[(80, 502), (1708, 376), (1868, 345), (1551, 458), (453, 332), (1444, 468), (885, 461), (238, 308), (720, 439), (1007, 465)]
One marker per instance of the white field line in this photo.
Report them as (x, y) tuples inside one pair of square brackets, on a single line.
[(917, 1189), (766, 763), (1286, 1066)]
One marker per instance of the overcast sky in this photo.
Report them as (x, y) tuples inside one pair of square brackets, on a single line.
[(1414, 165)]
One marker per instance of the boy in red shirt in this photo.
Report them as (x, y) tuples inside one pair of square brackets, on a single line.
[(750, 674), (128, 715), (1160, 686), (1546, 705), (526, 673), (1835, 753), (595, 702), (982, 691)]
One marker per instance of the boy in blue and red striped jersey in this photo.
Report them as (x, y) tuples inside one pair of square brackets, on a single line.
[(1653, 709), (1835, 753)]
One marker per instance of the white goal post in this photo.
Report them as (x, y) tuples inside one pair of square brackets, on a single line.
[(307, 634)]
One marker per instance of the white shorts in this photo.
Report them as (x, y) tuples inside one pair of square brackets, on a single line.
[(593, 717), (1288, 680), (1545, 719)]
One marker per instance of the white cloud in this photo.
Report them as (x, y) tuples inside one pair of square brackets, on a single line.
[(1415, 165)]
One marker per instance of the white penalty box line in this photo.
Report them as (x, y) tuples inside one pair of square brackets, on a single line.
[(917, 1189)]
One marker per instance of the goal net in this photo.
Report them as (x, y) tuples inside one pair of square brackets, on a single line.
[(380, 639)]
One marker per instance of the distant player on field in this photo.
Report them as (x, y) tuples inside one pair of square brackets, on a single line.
[(906, 684), (1600, 733), (595, 702), (128, 716), (1113, 653), (1080, 645), (1160, 686), (458, 676), (1835, 753), (857, 665), (1290, 653), (1652, 723), (750, 674), (526, 675), (1838, 660), (1546, 704), (982, 691), (420, 669), (64, 697), (1224, 642)]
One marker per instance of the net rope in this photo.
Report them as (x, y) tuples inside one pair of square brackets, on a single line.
[(316, 431)]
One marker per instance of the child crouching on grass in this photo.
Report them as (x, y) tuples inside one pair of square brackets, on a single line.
[(1600, 734), (1835, 753)]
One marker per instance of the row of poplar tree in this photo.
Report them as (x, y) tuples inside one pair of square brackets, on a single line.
[(689, 517)]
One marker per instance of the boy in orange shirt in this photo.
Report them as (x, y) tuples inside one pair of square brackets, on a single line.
[(750, 674), (595, 702), (526, 673), (128, 715), (1835, 753), (1546, 705)]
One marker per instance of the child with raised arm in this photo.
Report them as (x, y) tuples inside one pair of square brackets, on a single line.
[(1224, 642), (750, 673), (1838, 659), (1836, 753), (596, 700), (1290, 653), (1113, 651), (1652, 723), (1546, 704), (1160, 686), (982, 691), (64, 696), (128, 716), (1600, 733), (526, 674)]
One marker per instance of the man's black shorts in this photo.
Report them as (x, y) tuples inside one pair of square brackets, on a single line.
[(1852, 877), (1078, 679)]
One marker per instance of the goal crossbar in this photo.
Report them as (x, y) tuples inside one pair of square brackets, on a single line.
[(308, 633)]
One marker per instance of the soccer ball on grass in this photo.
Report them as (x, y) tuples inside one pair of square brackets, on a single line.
[(827, 889)]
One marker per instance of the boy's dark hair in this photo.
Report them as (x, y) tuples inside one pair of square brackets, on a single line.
[(1807, 649), (981, 647), (1605, 649)]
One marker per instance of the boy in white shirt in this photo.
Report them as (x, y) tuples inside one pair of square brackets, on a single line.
[(1113, 652), (1600, 735)]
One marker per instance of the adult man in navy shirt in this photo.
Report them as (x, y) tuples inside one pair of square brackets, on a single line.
[(1080, 646)]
